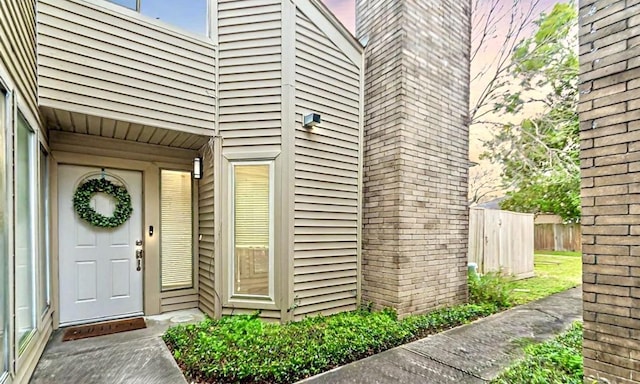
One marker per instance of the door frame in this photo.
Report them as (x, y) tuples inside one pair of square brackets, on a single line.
[(75, 175), (151, 290)]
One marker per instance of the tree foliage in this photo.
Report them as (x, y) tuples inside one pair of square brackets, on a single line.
[(540, 155), (496, 23), (498, 27)]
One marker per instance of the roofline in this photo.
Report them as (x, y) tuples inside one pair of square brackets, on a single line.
[(338, 24)]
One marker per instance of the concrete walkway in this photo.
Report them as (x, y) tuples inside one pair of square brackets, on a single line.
[(129, 357), (474, 353)]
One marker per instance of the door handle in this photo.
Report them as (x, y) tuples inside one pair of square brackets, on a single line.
[(139, 256)]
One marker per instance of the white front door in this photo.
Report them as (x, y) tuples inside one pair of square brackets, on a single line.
[(98, 270)]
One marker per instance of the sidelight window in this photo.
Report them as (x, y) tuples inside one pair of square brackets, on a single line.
[(176, 225)]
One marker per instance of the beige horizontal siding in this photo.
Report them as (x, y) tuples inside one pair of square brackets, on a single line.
[(178, 302), (18, 61), (18, 48), (250, 36), (207, 292), (267, 315), (97, 61), (326, 175), (102, 146)]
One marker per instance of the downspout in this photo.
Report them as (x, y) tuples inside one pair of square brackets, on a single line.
[(215, 145), (288, 300), (364, 42)]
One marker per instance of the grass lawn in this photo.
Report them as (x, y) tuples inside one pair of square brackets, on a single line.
[(555, 272), (556, 361)]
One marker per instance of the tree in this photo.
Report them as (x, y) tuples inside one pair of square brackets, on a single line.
[(540, 155), (498, 26), (482, 182)]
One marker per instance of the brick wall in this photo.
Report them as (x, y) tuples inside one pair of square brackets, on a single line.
[(610, 159), (415, 212)]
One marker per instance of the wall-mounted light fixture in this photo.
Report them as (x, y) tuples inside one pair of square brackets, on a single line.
[(311, 120), (197, 168)]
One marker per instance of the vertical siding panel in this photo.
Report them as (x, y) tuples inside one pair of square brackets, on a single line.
[(206, 294), (326, 178)]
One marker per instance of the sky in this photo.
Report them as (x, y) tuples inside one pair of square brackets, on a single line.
[(345, 10)]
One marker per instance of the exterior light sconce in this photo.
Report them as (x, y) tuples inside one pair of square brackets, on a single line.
[(311, 120), (197, 168)]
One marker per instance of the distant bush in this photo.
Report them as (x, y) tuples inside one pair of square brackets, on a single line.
[(246, 349), (490, 288), (558, 361)]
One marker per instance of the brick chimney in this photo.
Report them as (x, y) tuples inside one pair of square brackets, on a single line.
[(415, 212)]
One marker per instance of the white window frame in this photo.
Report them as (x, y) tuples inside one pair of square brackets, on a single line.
[(231, 258), (193, 231), (44, 220), (6, 97), (211, 21), (22, 345)]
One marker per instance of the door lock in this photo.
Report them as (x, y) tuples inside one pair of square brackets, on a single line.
[(139, 256)]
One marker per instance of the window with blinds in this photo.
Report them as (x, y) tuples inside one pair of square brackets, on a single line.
[(176, 229), (252, 229)]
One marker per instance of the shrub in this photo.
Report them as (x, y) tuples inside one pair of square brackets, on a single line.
[(490, 288), (246, 349), (558, 361)]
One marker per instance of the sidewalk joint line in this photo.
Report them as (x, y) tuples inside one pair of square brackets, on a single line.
[(445, 363), (548, 314)]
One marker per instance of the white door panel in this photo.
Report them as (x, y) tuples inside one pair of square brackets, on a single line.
[(98, 276)]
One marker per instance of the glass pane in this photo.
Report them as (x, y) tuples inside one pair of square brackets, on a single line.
[(190, 15), (25, 276), (4, 258), (43, 254), (131, 4), (176, 225), (251, 229)]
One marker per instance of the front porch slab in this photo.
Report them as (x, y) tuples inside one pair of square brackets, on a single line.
[(129, 357)]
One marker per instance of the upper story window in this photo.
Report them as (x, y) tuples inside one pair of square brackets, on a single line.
[(190, 15)]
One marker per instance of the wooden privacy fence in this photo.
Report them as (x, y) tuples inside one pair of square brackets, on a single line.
[(501, 241), (557, 237)]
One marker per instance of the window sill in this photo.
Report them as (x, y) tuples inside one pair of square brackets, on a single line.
[(244, 303)]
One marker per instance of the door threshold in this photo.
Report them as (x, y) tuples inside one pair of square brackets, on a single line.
[(100, 319)]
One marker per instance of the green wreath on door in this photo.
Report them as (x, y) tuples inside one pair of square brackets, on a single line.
[(82, 203)]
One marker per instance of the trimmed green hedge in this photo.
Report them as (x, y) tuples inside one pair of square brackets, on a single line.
[(247, 350), (558, 361)]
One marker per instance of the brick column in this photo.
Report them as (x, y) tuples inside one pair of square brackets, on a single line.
[(415, 212), (610, 159)]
